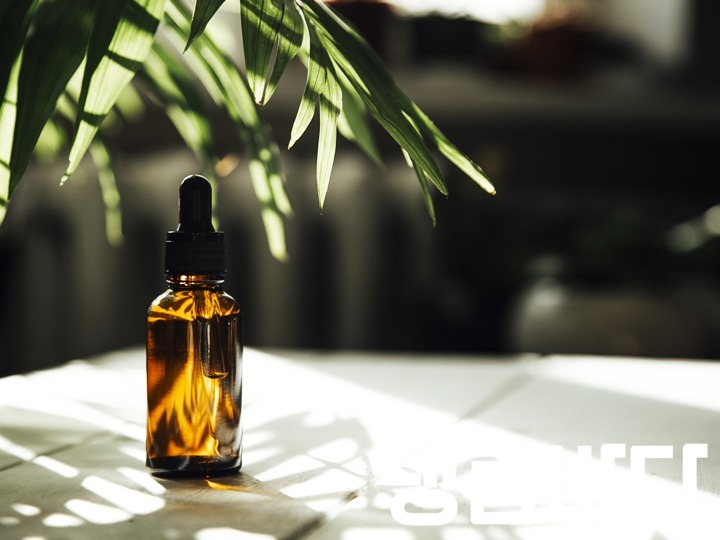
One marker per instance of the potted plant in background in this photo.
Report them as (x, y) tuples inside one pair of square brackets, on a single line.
[(66, 66)]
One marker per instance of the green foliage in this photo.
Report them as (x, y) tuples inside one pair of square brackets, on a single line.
[(123, 33), (52, 53), (204, 11), (229, 89), (68, 62), (267, 26)]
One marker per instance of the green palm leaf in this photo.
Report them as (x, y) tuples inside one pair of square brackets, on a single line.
[(451, 152), (51, 55), (120, 42), (321, 88), (66, 109), (204, 11), (269, 26), (373, 83), (130, 105), (289, 40), (260, 22), (311, 94), (44, 43), (175, 88), (110, 194), (51, 141), (424, 185), (8, 109), (387, 103), (15, 19), (353, 124), (330, 105), (228, 88)]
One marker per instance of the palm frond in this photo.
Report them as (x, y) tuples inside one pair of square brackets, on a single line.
[(204, 12), (122, 36), (170, 82), (15, 20), (229, 89), (51, 55), (74, 58), (387, 103)]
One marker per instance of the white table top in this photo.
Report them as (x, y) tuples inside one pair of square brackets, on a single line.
[(338, 445)]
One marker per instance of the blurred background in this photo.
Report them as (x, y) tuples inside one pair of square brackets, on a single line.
[(597, 120)]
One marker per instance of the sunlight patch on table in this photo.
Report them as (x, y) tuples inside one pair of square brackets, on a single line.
[(32, 395), (51, 464), (27, 510), (228, 533), (128, 499), (100, 514), (134, 452), (58, 467), (16, 450), (386, 533), (461, 533), (325, 491), (294, 466), (337, 451), (261, 454), (143, 479), (671, 381), (319, 418), (61, 521), (256, 437)]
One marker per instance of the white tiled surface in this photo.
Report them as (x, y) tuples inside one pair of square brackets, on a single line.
[(335, 442)]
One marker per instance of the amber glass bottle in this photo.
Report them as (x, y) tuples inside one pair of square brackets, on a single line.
[(194, 351)]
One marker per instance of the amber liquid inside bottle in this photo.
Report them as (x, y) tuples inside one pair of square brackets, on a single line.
[(194, 379)]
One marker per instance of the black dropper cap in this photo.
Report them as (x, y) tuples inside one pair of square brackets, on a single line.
[(195, 248)]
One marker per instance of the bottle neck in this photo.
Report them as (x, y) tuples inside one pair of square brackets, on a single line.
[(201, 281)]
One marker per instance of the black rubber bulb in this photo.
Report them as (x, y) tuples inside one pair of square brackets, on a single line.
[(195, 247), (195, 205)]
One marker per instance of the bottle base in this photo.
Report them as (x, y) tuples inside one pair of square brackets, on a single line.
[(192, 467)]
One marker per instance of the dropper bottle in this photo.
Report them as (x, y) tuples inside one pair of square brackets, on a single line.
[(194, 351)]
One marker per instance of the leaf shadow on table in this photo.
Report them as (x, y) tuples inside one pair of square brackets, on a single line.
[(300, 467), (101, 489), (294, 474), (97, 486)]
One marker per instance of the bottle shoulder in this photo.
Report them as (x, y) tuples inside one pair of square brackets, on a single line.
[(192, 304)]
